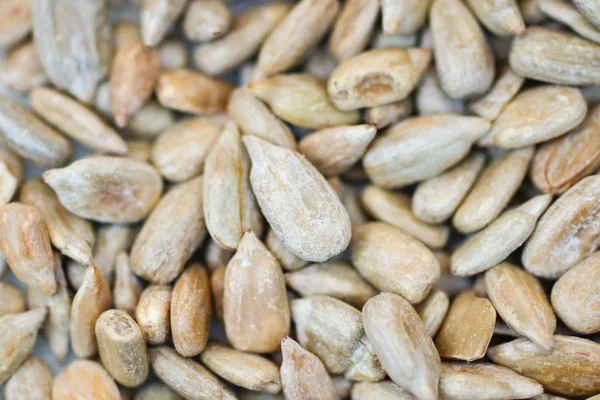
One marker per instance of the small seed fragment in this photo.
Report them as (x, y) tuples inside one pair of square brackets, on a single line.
[(32, 381), (384, 116), (206, 20), (506, 87), (153, 313), (84, 379), (155, 391), (217, 288), (433, 310), (157, 17), (127, 287)]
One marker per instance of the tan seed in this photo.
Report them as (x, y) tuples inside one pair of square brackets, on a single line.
[(353, 28), (84, 379), (13, 162), (139, 149), (364, 364), (506, 87), (15, 22), (32, 381), (217, 288), (157, 17), (502, 17), (21, 69), (12, 300), (123, 31), (384, 116), (127, 287), (433, 310), (532, 13), (288, 260), (403, 16), (8, 184), (153, 313), (431, 98), (206, 20)]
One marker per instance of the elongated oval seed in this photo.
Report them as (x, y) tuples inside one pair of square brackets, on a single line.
[(377, 77), (288, 260), (246, 370), (498, 240), (506, 87), (303, 375), (464, 61), (575, 296), (566, 13), (402, 345), (32, 381), (72, 235), (127, 287), (569, 369), (484, 381), (153, 313), (353, 28), (26, 245), (590, 9), (111, 240), (403, 16), (206, 20), (393, 261), (122, 348), (83, 378), (520, 300), (501, 17), (175, 227), (431, 98), (297, 201), (496, 185), (31, 138), (567, 232), (230, 208), (18, 333), (157, 17), (12, 300), (91, 300), (433, 310), (106, 189), (421, 147)]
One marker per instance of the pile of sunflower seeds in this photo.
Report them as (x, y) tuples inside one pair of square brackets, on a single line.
[(311, 200)]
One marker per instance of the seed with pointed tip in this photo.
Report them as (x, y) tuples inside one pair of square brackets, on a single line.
[(82, 379)]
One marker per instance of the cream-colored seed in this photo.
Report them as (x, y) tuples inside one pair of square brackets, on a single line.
[(353, 28), (206, 20), (127, 287), (433, 310), (172, 54), (84, 379), (157, 391), (153, 313), (157, 17), (432, 99), (215, 256), (32, 381), (12, 300), (15, 22), (403, 16), (288, 260), (21, 70), (150, 120), (566, 13), (385, 390), (590, 9), (502, 17), (506, 87)]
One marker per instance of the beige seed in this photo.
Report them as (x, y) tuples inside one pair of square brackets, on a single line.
[(157, 391), (302, 100), (433, 310), (377, 77), (566, 233), (353, 28), (314, 230), (122, 348), (106, 189), (135, 69), (230, 208), (157, 17), (32, 381), (394, 208), (384, 116), (127, 287), (506, 87), (81, 64), (284, 48), (431, 98), (364, 364), (334, 150), (84, 379), (590, 9), (386, 390), (217, 288), (192, 92), (172, 54), (91, 300), (403, 16), (574, 296), (13, 162), (15, 22), (139, 149), (342, 386), (215, 256), (12, 300), (303, 375), (175, 227), (568, 14), (532, 13), (553, 397), (152, 313), (26, 245), (186, 377), (21, 70), (467, 329), (555, 57), (123, 31), (398, 40), (522, 303), (8, 184), (320, 63), (393, 261), (463, 58), (248, 32), (206, 20), (288, 260), (350, 197), (498, 240), (110, 241), (570, 368), (402, 345), (150, 120), (502, 17), (496, 185), (18, 333), (484, 381), (421, 147)]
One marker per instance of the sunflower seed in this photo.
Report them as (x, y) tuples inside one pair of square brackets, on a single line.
[(386, 390), (21, 69), (215, 256), (217, 288), (532, 13), (15, 22), (320, 63), (431, 98), (590, 9), (506, 87), (82, 378), (12, 300), (502, 17), (172, 54), (157, 17), (206, 20), (150, 120), (32, 381), (384, 116), (155, 391), (127, 287), (568, 14), (153, 313), (123, 31), (433, 310), (353, 28), (288, 260), (403, 16)]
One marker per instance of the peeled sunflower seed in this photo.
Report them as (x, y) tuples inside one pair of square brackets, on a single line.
[(26, 245), (532, 14), (134, 72), (73, 43), (139, 149), (155, 391), (175, 227), (15, 21), (153, 313), (385, 390), (498, 240), (157, 17), (254, 281), (464, 60), (590, 9), (215, 256), (150, 120), (303, 375), (18, 333), (398, 40), (467, 329), (189, 91), (393, 261), (433, 310), (302, 100), (402, 345), (537, 115), (32, 139), (32, 381), (72, 235), (520, 300), (283, 181), (503, 18), (403, 16), (106, 189), (353, 28), (283, 48), (13, 162), (111, 240), (320, 63), (377, 77), (567, 232), (568, 14), (127, 287), (431, 98), (172, 54), (91, 300), (574, 296), (217, 288), (8, 184), (421, 147), (20, 69), (364, 364), (570, 368), (123, 31), (12, 300), (230, 208), (484, 381), (335, 150), (394, 208), (288, 260), (248, 32), (83, 378), (206, 20), (246, 370), (506, 87), (494, 188), (383, 116), (555, 57)]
